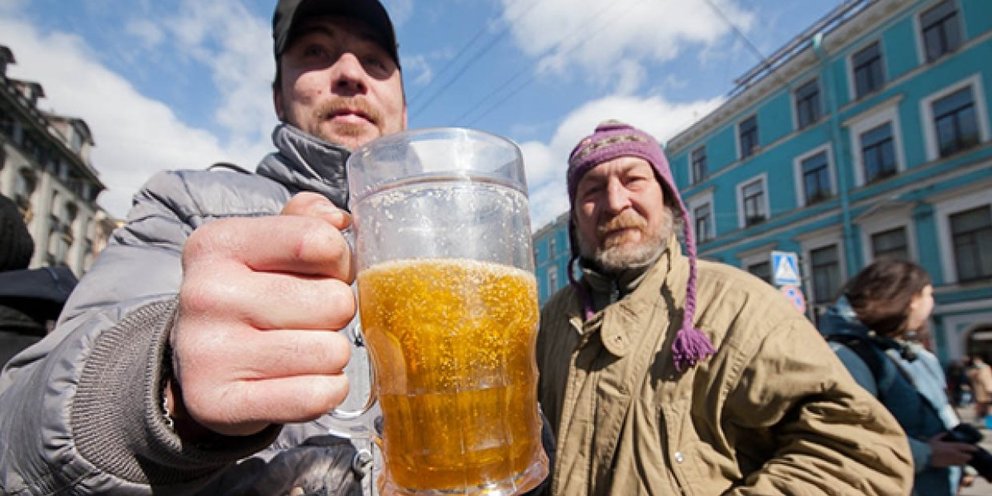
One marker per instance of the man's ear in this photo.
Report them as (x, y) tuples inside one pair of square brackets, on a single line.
[(277, 102)]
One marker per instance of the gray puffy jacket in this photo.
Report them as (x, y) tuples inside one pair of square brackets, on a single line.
[(79, 411)]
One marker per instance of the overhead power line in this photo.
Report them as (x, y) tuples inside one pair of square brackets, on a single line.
[(472, 61), (597, 18)]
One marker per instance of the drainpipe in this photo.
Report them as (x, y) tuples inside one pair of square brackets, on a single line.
[(840, 158)]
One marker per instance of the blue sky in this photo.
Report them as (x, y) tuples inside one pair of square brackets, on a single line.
[(166, 84)]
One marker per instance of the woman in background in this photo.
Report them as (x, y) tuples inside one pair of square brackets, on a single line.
[(871, 328)]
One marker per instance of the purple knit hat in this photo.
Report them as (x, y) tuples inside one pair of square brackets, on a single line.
[(613, 139)]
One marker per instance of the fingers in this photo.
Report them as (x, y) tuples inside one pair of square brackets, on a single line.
[(237, 380), (285, 243), (258, 356), (309, 204), (266, 301), (272, 401), (260, 302)]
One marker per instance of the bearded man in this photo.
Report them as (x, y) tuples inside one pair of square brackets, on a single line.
[(661, 374)]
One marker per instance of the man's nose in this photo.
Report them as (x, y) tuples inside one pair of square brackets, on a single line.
[(617, 196), (348, 75)]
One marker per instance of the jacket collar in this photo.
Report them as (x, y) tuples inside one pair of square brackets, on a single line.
[(668, 274), (606, 289), (840, 319), (306, 163)]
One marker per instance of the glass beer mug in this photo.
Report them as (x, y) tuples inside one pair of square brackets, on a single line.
[(448, 307)]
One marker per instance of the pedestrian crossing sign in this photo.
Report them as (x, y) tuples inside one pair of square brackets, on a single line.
[(785, 268)]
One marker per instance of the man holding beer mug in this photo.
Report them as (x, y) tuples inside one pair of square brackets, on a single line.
[(202, 351), (664, 374)]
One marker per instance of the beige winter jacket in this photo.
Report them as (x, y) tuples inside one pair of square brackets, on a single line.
[(773, 412)]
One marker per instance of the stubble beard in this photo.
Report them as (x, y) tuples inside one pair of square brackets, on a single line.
[(346, 133), (613, 255)]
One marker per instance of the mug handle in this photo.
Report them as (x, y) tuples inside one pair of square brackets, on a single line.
[(364, 422)]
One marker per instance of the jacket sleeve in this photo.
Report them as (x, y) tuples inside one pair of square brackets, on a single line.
[(859, 370), (830, 436), (79, 411)]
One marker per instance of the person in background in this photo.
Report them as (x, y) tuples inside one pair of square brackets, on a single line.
[(30, 299), (202, 352), (664, 374), (872, 328), (980, 377), (958, 384)]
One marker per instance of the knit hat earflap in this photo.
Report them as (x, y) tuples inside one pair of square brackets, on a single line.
[(611, 140)]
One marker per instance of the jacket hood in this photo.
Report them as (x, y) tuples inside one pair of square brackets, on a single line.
[(304, 162), (840, 320)]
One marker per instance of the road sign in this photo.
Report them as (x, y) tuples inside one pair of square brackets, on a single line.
[(795, 296), (785, 268)]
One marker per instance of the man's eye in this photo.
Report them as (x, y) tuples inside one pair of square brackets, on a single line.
[(375, 63), (314, 51), (590, 191)]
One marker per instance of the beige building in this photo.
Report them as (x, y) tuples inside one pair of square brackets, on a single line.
[(45, 168)]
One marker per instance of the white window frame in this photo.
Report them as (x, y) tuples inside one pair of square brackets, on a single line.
[(887, 111), (797, 168), (943, 210), (741, 218), (552, 279), (926, 112), (697, 201), (958, 327), (762, 254), (852, 87), (692, 166), (795, 103), (886, 220), (921, 52), (814, 241)]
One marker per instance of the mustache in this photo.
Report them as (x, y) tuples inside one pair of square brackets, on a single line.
[(351, 105), (623, 221)]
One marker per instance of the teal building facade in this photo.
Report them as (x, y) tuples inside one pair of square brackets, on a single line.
[(866, 136), (551, 255)]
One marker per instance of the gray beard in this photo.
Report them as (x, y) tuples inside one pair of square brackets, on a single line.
[(616, 259)]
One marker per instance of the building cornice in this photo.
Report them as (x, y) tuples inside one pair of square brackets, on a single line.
[(799, 61)]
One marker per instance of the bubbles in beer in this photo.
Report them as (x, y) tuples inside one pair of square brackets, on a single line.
[(453, 345)]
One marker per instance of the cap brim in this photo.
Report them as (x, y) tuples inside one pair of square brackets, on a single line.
[(290, 12)]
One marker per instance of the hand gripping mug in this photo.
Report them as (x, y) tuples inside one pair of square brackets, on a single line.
[(448, 307)]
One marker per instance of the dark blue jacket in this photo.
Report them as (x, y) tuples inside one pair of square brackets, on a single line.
[(895, 386)]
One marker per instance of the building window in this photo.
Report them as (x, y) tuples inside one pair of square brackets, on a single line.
[(816, 178), (747, 131), (24, 185), (552, 247), (763, 270), (71, 212), (971, 233), (699, 170), (552, 278), (57, 247), (753, 202), (890, 244), (825, 265), (807, 104), (955, 122), (878, 153), (703, 222), (940, 29), (868, 75), (6, 123)]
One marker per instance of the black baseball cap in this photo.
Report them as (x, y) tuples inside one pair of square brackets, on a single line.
[(290, 12)]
